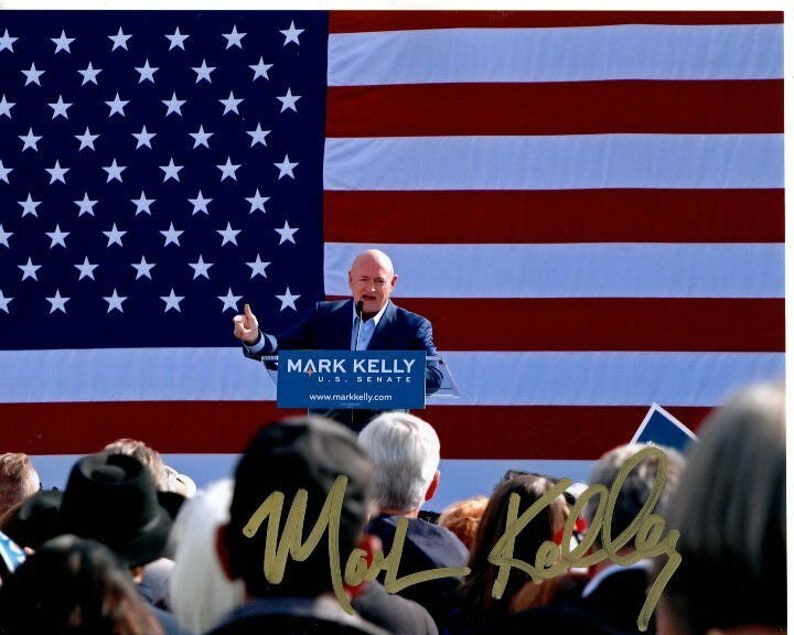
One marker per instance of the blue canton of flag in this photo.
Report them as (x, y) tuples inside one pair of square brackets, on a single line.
[(158, 170)]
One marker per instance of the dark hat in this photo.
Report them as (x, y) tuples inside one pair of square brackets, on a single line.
[(111, 498), (36, 520), (298, 453)]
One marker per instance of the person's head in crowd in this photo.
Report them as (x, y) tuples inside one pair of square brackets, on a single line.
[(111, 498), (520, 592), (34, 520), (175, 487), (730, 508), (200, 594), (299, 453), (636, 488), (145, 454), (406, 452), (372, 279), (463, 517), (73, 586), (18, 479)]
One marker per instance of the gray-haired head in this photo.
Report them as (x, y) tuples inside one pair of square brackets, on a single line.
[(406, 452), (731, 511)]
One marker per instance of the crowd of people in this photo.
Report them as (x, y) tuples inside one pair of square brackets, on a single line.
[(321, 530)]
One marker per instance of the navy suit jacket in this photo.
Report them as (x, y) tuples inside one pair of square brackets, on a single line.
[(329, 327)]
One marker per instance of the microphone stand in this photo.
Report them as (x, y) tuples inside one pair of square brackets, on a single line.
[(360, 316)]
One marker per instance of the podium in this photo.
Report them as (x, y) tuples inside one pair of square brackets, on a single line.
[(354, 386)]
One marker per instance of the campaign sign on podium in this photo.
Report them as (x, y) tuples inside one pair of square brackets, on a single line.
[(351, 379)]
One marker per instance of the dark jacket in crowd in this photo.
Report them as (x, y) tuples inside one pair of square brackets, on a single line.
[(427, 547), (294, 616), (392, 612)]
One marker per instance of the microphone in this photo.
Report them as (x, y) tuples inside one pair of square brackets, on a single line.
[(360, 315)]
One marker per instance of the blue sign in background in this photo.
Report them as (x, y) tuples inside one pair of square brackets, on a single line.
[(375, 380), (661, 428)]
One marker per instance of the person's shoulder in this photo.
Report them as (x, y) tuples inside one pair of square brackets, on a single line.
[(394, 613), (381, 522), (441, 535), (167, 620), (326, 308), (563, 617), (322, 615), (330, 306), (429, 527), (420, 526), (415, 525), (408, 317)]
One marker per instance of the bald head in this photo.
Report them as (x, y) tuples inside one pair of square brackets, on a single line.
[(373, 257), (372, 279)]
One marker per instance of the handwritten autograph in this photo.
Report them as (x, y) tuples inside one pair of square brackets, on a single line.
[(551, 559)]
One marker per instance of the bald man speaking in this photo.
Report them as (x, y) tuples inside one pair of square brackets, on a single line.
[(335, 326)]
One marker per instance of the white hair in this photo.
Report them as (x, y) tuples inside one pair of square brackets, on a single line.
[(406, 453), (200, 592)]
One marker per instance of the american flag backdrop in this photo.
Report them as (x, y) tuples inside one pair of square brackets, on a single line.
[(587, 205)]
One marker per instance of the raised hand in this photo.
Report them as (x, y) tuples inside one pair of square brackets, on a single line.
[(246, 326)]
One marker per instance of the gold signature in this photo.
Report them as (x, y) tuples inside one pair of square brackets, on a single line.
[(551, 560)]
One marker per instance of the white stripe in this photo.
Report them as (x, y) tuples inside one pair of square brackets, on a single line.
[(131, 374), (606, 378), (587, 270), (483, 378), (460, 478), (556, 54), (555, 162)]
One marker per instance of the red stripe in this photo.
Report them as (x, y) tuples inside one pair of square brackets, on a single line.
[(360, 21), (533, 432), (182, 426), (556, 216), (751, 106), (605, 324), (541, 432)]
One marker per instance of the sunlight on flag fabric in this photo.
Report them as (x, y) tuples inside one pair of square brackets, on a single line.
[(588, 206)]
